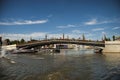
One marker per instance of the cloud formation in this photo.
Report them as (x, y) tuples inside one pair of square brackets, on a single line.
[(98, 29), (15, 36), (76, 31), (67, 26), (91, 22), (95, 22), (116, 28), (24, 22)]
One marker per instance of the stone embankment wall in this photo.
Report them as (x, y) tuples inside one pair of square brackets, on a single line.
[(112, 46)]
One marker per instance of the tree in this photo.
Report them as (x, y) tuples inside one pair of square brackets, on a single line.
[(7, 41), (22, 41), (108, 39), (105, 38), (15, 42), (113, 37), (79, 38)]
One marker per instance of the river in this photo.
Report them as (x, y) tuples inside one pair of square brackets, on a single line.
[(67, 65)]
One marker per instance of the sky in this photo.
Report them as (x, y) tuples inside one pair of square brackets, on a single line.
[(37, 18)]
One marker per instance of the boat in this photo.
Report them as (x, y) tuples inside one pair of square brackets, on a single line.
[(98, 50), (56, 50)]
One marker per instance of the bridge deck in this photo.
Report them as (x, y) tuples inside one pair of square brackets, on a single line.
[(48, 42)]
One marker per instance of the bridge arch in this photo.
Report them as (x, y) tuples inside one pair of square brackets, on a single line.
[(48, 42)]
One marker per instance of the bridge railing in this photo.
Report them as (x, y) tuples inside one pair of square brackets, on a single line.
[(63, 41)]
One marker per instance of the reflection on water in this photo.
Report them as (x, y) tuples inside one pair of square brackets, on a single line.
[(68, 65)]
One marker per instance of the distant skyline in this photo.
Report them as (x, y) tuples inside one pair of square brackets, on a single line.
[(36, 18)]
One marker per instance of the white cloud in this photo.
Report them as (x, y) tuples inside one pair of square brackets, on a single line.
[(35, 35), (24, 22), (91, 22), (76, 31), (116, 28), (55, 35), (103, 22), (103, 32), (95, 21), (15, 36), (79, 32), (98, 29), (67, 26)]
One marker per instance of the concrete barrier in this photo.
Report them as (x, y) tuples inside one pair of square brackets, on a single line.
[(112, 46), (9, 47)]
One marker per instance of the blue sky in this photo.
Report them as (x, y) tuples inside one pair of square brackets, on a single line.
[(35, 18)]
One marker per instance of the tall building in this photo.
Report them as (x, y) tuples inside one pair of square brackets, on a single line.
[(83, 37), (46, 37), (117, 38), (63, 36)]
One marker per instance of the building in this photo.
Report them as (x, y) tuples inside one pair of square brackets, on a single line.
[(117, 38)]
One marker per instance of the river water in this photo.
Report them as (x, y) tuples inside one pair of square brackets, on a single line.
[(67, 65)]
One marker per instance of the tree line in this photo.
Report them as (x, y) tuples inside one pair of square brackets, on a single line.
[(22, 41)]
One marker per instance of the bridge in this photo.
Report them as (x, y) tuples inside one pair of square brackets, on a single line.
[(61, 41)]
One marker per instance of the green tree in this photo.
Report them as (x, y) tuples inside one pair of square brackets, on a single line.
[(108, 39), (7, 41), (22, 41), (113, 37), (15, 42)]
